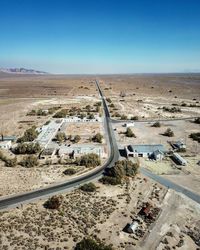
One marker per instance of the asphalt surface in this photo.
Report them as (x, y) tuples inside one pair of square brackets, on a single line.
[(16, 200)]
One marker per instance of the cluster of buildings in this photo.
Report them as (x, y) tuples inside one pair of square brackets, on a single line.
[(156, 152)]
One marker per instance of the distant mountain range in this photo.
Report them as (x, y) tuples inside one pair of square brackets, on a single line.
[(22, 71)]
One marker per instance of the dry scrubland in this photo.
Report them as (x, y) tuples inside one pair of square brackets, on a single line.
[(19, 94), (147, 95), (102, 215)]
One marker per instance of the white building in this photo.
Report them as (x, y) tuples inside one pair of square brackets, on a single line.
[(48, 132), (5, 144), (179, 159), (145, 150), (80, 149)]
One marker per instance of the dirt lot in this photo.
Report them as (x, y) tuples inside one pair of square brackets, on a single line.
[(146, 95), (101, 215)]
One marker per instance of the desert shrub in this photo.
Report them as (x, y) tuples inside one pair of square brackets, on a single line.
[(197, 120), (60, 137), (195, 136), (61, 114), (88, 187), (77, 138), (52, 110), (91, 116), (97, 138), (29, 135), (88, 160), (90, 244), (156, 125), (129, 133), (108, 100), (134, 118), (168, 133), (69, 171), (29, 161), (27, 148), (108, 180), (124, 117), (116, 114), (54, 202), (172, 110)]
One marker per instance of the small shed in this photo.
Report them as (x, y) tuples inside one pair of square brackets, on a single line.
[(157, 155), (5, 144), (131, 227), (179, 159)]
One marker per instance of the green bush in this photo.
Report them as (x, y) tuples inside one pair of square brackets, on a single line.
[(29, 161), (129, 133), (124, 117), (97, 138), (134, 118), (29, 135), (61, 114), (89, 160), (60, 137), (8, 162), (156, 125), (115, 174), (54, 202), (77, 138), (197, 120), (70, 171), (168, 133), (195, 136), (88, 187), (90, 244), (27, 148)]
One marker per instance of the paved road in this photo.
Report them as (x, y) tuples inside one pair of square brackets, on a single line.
[(170, 184), (68, 185), (95, 174)]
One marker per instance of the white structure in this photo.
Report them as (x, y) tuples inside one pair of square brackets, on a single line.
[(157, 155), (145, 150), (128, 125), (85, 119), (80, 149), (48, 132), (5, 144), (132, 227), (179, 159)]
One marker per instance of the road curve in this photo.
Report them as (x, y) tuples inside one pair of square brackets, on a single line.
[(15, 200)]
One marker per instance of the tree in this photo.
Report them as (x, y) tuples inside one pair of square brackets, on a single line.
[(115, 174), (29, 135), (77, 138), (89, 160), (70, 171), (54, 202), (195, 136), (134, 118), (129, 133), (91, 116), (29, 161), (88, 187), (197, 120), (97, 138), (60, 137), (27, 148), (90, 244), (168, 133), (61, 114)]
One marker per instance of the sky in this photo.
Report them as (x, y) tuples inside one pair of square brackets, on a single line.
[(101, 37)]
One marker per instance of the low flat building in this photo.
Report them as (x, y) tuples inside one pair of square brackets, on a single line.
[(130, 228), (80, 149), (5, 144), (178, 145), (179, 159), (145, 150)]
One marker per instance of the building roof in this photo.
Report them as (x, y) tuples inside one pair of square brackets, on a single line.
[(146, 148), (5, 142)]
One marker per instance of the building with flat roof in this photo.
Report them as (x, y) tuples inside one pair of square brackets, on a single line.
[(5, 144), (80, 149), (48, 132), (179, 159), (145, 150)]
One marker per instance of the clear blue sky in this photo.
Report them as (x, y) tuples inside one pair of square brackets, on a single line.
[(99, 36)]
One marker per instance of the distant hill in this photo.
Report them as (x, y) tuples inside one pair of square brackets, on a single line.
[(22, 71)]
